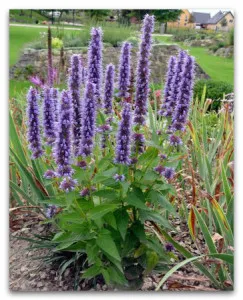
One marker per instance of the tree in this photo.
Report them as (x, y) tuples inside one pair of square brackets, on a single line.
[(161, 15), (98, 14), (166, 15)]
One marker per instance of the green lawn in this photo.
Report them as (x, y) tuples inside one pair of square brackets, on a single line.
[(18, 38), (218, 68)]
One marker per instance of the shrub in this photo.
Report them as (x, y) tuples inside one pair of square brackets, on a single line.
[(231, 37), (215, 90)]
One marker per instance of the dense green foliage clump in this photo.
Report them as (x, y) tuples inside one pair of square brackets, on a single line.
[(215, 90)]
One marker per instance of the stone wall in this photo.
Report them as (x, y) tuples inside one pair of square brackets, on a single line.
[(35, 61)]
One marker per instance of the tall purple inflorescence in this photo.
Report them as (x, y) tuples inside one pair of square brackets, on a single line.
[(63, 142), (169, 88), (109, 88), (123, 140), (88, 120), (50, 73), (124, 70), (95, 61), (184, 96), (33, 124), (74, 85), (49, 117), (143, 72), (55, 98), (176, 83)]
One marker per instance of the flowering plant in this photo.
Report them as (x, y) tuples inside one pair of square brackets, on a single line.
[(109, 167)]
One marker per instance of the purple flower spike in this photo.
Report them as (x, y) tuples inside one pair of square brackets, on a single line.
[(123, 140), (163, 156), (82, 164), (95, 61), (139, 142), (88, 120), (169, 247), (184, 96), (84, 75), (86, 191), (74, 85), (159, 169), (68, 184), (177, 84), (168, 173), (109, 88), (55, 99), (175, 140), (63, 142), (124, 70), (36, 80), (143, 72), (119, 178), (49, 117), (33, 134), (167, 106), (51, 211), (49, 174)]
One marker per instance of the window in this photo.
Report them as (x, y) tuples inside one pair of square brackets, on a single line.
[(231, 21), (186, 19)]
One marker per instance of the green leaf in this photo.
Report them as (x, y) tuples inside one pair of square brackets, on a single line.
[(151, 261), (117, 276), (106, 194), (161, 200), (106, 244), (226, 186), (122, 220), (205, 231), (138, 230), (92, 272), (15, 141), (101, 210), (154, 216), (136, 199), (225, 257), (111, 220), (21, 192), (28, 175)]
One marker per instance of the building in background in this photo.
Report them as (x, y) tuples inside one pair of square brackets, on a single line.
[(198, 20), (221, 21)]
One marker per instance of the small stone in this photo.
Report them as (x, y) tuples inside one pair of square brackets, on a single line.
[(40, 284), (61, 283), (45, 289), (40, 229), (22, 269), (33, 284), (43, 275)]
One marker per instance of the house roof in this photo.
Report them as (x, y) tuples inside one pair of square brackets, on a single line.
[(216, 18), (200, 17)]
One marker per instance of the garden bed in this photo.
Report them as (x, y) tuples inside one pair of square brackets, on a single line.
[(28, 274)]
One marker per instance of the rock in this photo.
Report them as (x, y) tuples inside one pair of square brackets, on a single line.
[(23, 269), (37, 59), (40, 284), (225, 51), (43, 275), (147, 285)]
